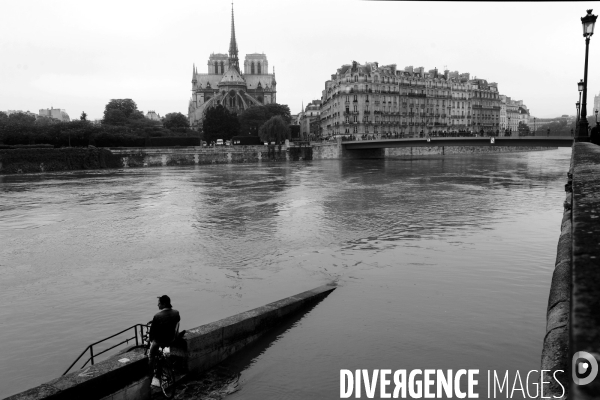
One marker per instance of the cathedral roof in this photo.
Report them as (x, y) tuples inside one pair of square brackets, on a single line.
[(232, 77), (205, 79), (253, 80)]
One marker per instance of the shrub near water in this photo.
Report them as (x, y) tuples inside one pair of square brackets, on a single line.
[(38, 160)]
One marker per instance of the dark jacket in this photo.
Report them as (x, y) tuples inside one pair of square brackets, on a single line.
[(163, 326), (595, 135)]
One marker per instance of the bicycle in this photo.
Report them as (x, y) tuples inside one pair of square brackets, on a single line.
[(163, 369), (164, 372)]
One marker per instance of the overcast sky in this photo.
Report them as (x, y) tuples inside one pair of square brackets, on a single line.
[(78, 55)]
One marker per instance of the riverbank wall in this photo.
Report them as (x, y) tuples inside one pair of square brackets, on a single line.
[(584, 317), (64, 159), (417, 152), (14, 161), (555, 349), (573, 319), (126, 376)]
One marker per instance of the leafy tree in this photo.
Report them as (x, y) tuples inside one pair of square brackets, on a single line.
[(279, 109), (252, 118), (176, 120), (114, 117), (45, 121), (127, 107), (136, 115), (21, 118), (220, 123), (83, 116), (3, 118), (523, 129), (274, 130)]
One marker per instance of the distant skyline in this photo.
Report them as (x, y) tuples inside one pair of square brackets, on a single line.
[(78, 55)]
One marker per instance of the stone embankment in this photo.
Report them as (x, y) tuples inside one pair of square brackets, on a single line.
[(127, 376), (573, 317), (555, 351), (584, 334), (412, 152), (66, 159), (14, 161)]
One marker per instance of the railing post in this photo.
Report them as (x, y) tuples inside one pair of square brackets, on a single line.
[(136, 335), (92, 354)]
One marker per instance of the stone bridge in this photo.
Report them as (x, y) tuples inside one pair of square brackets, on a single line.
[(522, 141)]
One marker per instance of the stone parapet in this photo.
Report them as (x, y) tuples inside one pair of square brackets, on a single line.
[(209, 344), (555, 351), (585, 274), (109, 379), (421, 151)]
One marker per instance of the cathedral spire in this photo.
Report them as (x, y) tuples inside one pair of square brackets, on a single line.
[(233, 49)]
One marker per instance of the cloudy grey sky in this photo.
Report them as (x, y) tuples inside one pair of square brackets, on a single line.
[(78, 55)]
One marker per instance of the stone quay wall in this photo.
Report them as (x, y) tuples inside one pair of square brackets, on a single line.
[(555, 350), (410, 152), (573, 314), (584, 317), (126, 376), (212, 343), (15, 161), (156, 157), (64, 159)]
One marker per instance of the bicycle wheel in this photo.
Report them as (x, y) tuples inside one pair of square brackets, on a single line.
[(167, 381)]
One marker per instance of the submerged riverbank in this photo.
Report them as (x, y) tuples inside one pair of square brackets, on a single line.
[(17, 161)]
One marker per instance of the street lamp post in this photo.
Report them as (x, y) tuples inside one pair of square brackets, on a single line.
[(588, 23), (534, 130), (577, 123), (596, 112)]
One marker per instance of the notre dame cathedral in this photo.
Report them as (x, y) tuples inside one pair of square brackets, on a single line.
[(225, 84)]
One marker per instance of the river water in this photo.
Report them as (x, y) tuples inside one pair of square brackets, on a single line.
[(440, 262)]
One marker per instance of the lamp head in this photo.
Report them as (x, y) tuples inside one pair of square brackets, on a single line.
[(580, 85), (588, 23)]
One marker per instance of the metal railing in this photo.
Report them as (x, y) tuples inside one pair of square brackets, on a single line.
[(139, 336)]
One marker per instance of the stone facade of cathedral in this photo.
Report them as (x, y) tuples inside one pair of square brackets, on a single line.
[(225, 84)]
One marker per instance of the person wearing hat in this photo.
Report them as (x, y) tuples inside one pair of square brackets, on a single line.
[(165, 325)]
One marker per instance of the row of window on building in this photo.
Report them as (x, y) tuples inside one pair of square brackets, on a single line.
[(382, 99)]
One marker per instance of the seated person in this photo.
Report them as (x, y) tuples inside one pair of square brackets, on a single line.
[(164, 328), (595, 135)]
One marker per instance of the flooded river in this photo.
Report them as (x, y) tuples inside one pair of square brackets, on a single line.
[(441, 262)]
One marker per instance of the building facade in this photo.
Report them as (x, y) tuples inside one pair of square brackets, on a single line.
[(486, 106), (516, 112), (225, 84), (153, 116), (55, 113), (379, 100), (307, 118)]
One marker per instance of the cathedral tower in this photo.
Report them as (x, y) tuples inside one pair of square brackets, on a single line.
[(225, 84)]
